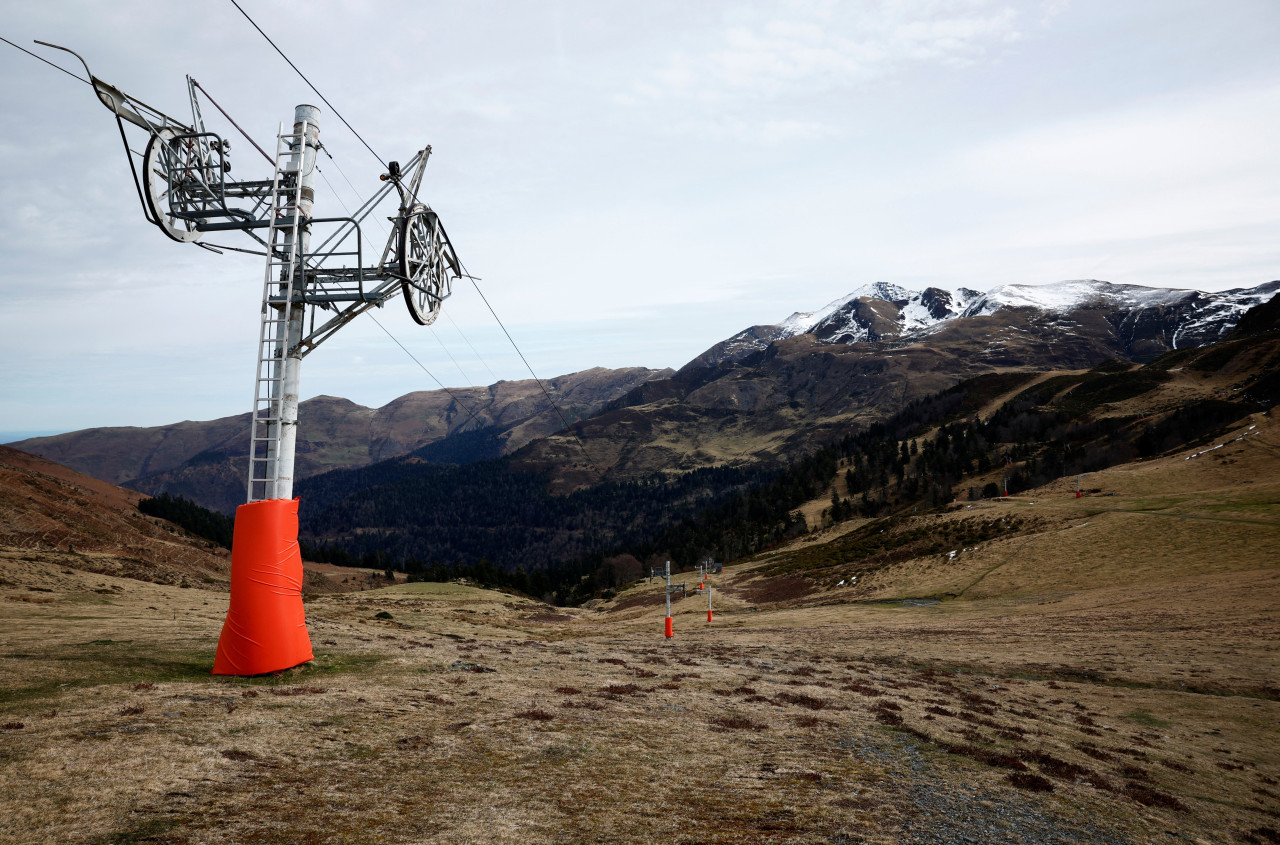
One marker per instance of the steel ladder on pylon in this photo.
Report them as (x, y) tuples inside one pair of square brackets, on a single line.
[(277, 297)]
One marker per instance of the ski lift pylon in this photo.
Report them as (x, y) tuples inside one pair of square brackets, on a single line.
[(185, 191)]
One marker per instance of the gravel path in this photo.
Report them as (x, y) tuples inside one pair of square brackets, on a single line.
[(937, 811)]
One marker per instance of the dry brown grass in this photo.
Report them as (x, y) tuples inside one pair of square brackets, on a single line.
[(1128, 664)]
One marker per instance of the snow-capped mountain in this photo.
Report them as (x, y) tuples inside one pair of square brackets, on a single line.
[(804, 322), (1142, 317), (881, 311), (1141, 322)]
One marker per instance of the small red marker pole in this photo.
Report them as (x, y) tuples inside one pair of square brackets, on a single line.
[(667, 631)]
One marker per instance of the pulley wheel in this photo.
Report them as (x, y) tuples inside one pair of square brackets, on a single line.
[(166, 161), (427, 264)]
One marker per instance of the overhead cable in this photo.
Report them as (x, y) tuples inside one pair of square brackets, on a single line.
[(46, 61), (465, 378), (542, 386), (308, 81), (568, 428), (452, 395), (467, 341)]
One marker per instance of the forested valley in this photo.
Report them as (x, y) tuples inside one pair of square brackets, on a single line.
[(501, 527)]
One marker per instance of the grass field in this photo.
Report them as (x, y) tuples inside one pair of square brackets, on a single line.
[(1106, 674)]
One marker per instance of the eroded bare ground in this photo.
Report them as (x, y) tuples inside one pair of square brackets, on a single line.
[(473, 716)]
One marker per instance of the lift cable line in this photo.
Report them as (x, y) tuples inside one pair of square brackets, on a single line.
[(436, 335), (46, 61), (308, 81), (452, 395), (474, 283), (387, 331), (467, 341), (465, 378), (345, 178), (186, 190), (413, 193)]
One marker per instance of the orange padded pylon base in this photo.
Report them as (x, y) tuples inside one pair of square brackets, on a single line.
[(266, 627), (668, 631), (708, 616)]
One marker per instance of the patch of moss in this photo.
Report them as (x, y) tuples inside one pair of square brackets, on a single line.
[(92, 664), (1144, 717), (144, 830)]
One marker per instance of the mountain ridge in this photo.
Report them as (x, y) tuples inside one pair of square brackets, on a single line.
[(881, 311), (767, 392), (207, 461), (764, 395)]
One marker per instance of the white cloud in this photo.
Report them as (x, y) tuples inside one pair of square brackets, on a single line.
[(813, 46), (634, 181), (781, 131), (1190, 137), (1198, 162)]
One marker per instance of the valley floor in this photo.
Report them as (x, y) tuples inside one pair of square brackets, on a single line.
[(475, 717), (1107, 675)]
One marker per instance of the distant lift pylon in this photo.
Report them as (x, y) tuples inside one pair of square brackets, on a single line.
[(185, 190)]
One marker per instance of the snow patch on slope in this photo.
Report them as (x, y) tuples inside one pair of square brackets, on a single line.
[(1070, 295), (802, 321), (1224, 312), (915, 315), (1146, 317), (805, 321)]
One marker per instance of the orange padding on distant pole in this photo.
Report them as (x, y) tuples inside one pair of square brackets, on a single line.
[(668, 631), (266, 627), (709, 616)]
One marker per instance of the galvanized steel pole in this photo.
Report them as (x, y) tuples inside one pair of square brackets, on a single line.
[(304, 159), (668, 588), (667, 624)]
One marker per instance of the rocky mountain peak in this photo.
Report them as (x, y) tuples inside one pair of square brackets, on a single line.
[(936, 303), (1141, 322)]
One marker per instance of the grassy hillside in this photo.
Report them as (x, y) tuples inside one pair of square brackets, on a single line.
[(997, 432), (1102, 671), (1042, 668)]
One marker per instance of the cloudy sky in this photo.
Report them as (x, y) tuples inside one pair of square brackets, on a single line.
[(632, 182)]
